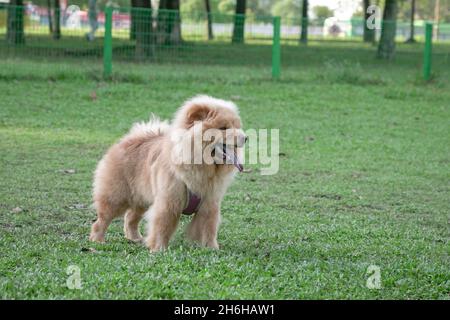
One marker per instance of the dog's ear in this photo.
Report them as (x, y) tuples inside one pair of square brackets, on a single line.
[(197, 113)]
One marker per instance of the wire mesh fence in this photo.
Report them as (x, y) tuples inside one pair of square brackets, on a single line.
[(138, 34), (166, 36), (163, 36), (31, 31), (333, 29)]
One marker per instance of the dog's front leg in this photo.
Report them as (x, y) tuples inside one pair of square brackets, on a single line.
[(161, 226), (204, 226)]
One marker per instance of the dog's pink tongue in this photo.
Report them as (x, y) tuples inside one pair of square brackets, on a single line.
[(231, 157)]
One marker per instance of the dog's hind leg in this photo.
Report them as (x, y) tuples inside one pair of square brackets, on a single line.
[(131, 224), (106, 212)]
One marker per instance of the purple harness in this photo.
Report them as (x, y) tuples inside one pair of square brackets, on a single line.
[(193, 203)]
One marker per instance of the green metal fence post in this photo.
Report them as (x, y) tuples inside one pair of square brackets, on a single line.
[(107, 43), (427, 51), (276, 48)]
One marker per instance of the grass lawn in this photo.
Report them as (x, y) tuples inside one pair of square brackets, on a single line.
[(363, 180)]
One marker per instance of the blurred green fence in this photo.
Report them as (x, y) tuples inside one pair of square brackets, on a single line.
[(138, 34), (163, 36), (32, 32)]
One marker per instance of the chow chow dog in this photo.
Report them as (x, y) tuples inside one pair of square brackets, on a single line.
[(166, 169)]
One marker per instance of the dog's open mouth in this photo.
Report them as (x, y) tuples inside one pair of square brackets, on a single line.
[(229, 155)]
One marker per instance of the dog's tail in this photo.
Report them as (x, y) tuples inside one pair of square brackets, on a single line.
[(154, 126)]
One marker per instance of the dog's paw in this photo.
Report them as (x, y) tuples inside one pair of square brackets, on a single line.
[(155, 249), (135, 239), (96, 238), (155, 246), (212, 245)]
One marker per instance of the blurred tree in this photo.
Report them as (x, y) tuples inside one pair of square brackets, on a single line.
[(411, 26), (169, 21), (133, 20), (322, 12), (239, 22), (15, 33), (437, 8), (84, 4), (445, 10), (288, 9), (261, 8), (386, 46), (368, 34), (57, 15), (424, 10), (304, 23), (191, 9), (223, 10), (92, 17), (209, 19), (227, 6), (49, 16), (142, 19)]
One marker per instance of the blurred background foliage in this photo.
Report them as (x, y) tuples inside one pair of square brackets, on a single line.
[(290, 9)]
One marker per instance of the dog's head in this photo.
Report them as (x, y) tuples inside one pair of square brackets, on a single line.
[(213, 129)]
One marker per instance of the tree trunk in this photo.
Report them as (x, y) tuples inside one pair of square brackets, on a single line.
[(169, 22), (209, 17), (386, 47), (437, 7), (142, 16), (304, 23), (133, 19), (92, 16), (50, 16), (239, 22), (368, 34), (411, 26), (57, 28), (15, 31)]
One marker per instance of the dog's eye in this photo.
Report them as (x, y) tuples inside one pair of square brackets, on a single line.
[(223, 128)]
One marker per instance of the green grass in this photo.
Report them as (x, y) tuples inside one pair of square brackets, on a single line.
[(364, 179)]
